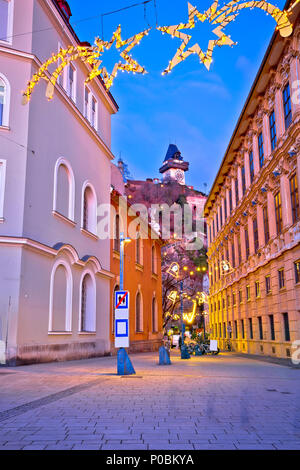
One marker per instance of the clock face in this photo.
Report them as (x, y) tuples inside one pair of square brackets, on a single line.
[(179, 176)]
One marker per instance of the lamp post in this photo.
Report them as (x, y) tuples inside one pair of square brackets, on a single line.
[(123, 241)]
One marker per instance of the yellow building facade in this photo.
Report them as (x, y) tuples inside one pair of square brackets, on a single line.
[(253, 214)]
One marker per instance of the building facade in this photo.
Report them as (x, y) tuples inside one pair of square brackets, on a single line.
[(142, 275), (54, 173), (253, 214)]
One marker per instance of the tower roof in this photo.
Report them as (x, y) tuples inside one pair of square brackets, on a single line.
[(173, 153)]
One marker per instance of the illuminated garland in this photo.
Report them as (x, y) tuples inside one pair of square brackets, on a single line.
[(222, 18), (91, 56)]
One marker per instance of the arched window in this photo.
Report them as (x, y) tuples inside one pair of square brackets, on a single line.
[(138, 248), (89, 209), (6, 20), (113, 309), (153, 260), (88, 304), (4, 100), (117, 233), (154, 316), (60, 311), (64, 189), (138, 313)]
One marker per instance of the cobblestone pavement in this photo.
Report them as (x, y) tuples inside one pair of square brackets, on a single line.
[(222, 402)]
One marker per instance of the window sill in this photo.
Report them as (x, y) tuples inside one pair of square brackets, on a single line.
[(282, 289), (154, 276), (139, 267), (86, 333), (116, 254), (5, 128), (2, 220), (59, 333), (89, 234), (62, 217)]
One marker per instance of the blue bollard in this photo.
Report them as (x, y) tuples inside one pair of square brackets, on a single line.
[(125, 366), (184, 352), (164, 357)]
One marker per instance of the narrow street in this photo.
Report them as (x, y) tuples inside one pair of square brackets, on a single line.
[(223, 402)]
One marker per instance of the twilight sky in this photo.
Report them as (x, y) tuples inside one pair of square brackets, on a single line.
[(191, 107)]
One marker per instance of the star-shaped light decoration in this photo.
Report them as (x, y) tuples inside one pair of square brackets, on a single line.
[(130, 66), (89, 55), (221, 18)]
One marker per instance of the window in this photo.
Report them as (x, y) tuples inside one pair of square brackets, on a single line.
[(230, 199), (117, 233), (221, 215), (138, 248), (236, 191), (2, 186), (88, 304), (268, 284), (248, 292), (240, 296), (71, 82), (224, 330), (251, 166), (294, 198), (236, 328), (113, 309), (272, 123), (255, 235), (251, 328), (272, 329), (297, 271), (4, 101), (64, 189), (287, 106), (243, 179), (154, 316), (225, 208), (214, 231), (266, 224), (89, 209), (228, 300), (138, 313), (94, 113), (217, 218), (243, 329), (153, 260), (278, 213), (281, 280), (230, 330), (260, 327), (86, 102), (233, 255), (247, 243), (239, 249), (287, 336), (60, 308), (234, 299), (6, 20), (261, 150), (257, 289)]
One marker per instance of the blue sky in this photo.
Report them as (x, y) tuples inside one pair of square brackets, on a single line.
[(191, 107)]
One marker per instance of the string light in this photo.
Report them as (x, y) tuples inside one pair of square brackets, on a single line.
[(91, 56), (222, 18)]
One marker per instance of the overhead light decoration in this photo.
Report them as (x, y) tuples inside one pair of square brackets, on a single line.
[(173, 270), (220, 17), (190, 317), (226, 268), (90, 55), (203, 298), (173, 296)]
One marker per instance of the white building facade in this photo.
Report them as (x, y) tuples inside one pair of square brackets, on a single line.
[(55, 162)]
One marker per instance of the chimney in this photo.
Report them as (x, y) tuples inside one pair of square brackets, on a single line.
[(65, 9)]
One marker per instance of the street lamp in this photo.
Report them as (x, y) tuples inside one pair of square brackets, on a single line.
[(123, 242)]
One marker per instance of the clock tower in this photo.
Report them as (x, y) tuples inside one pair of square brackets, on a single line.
[(174, 168)]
